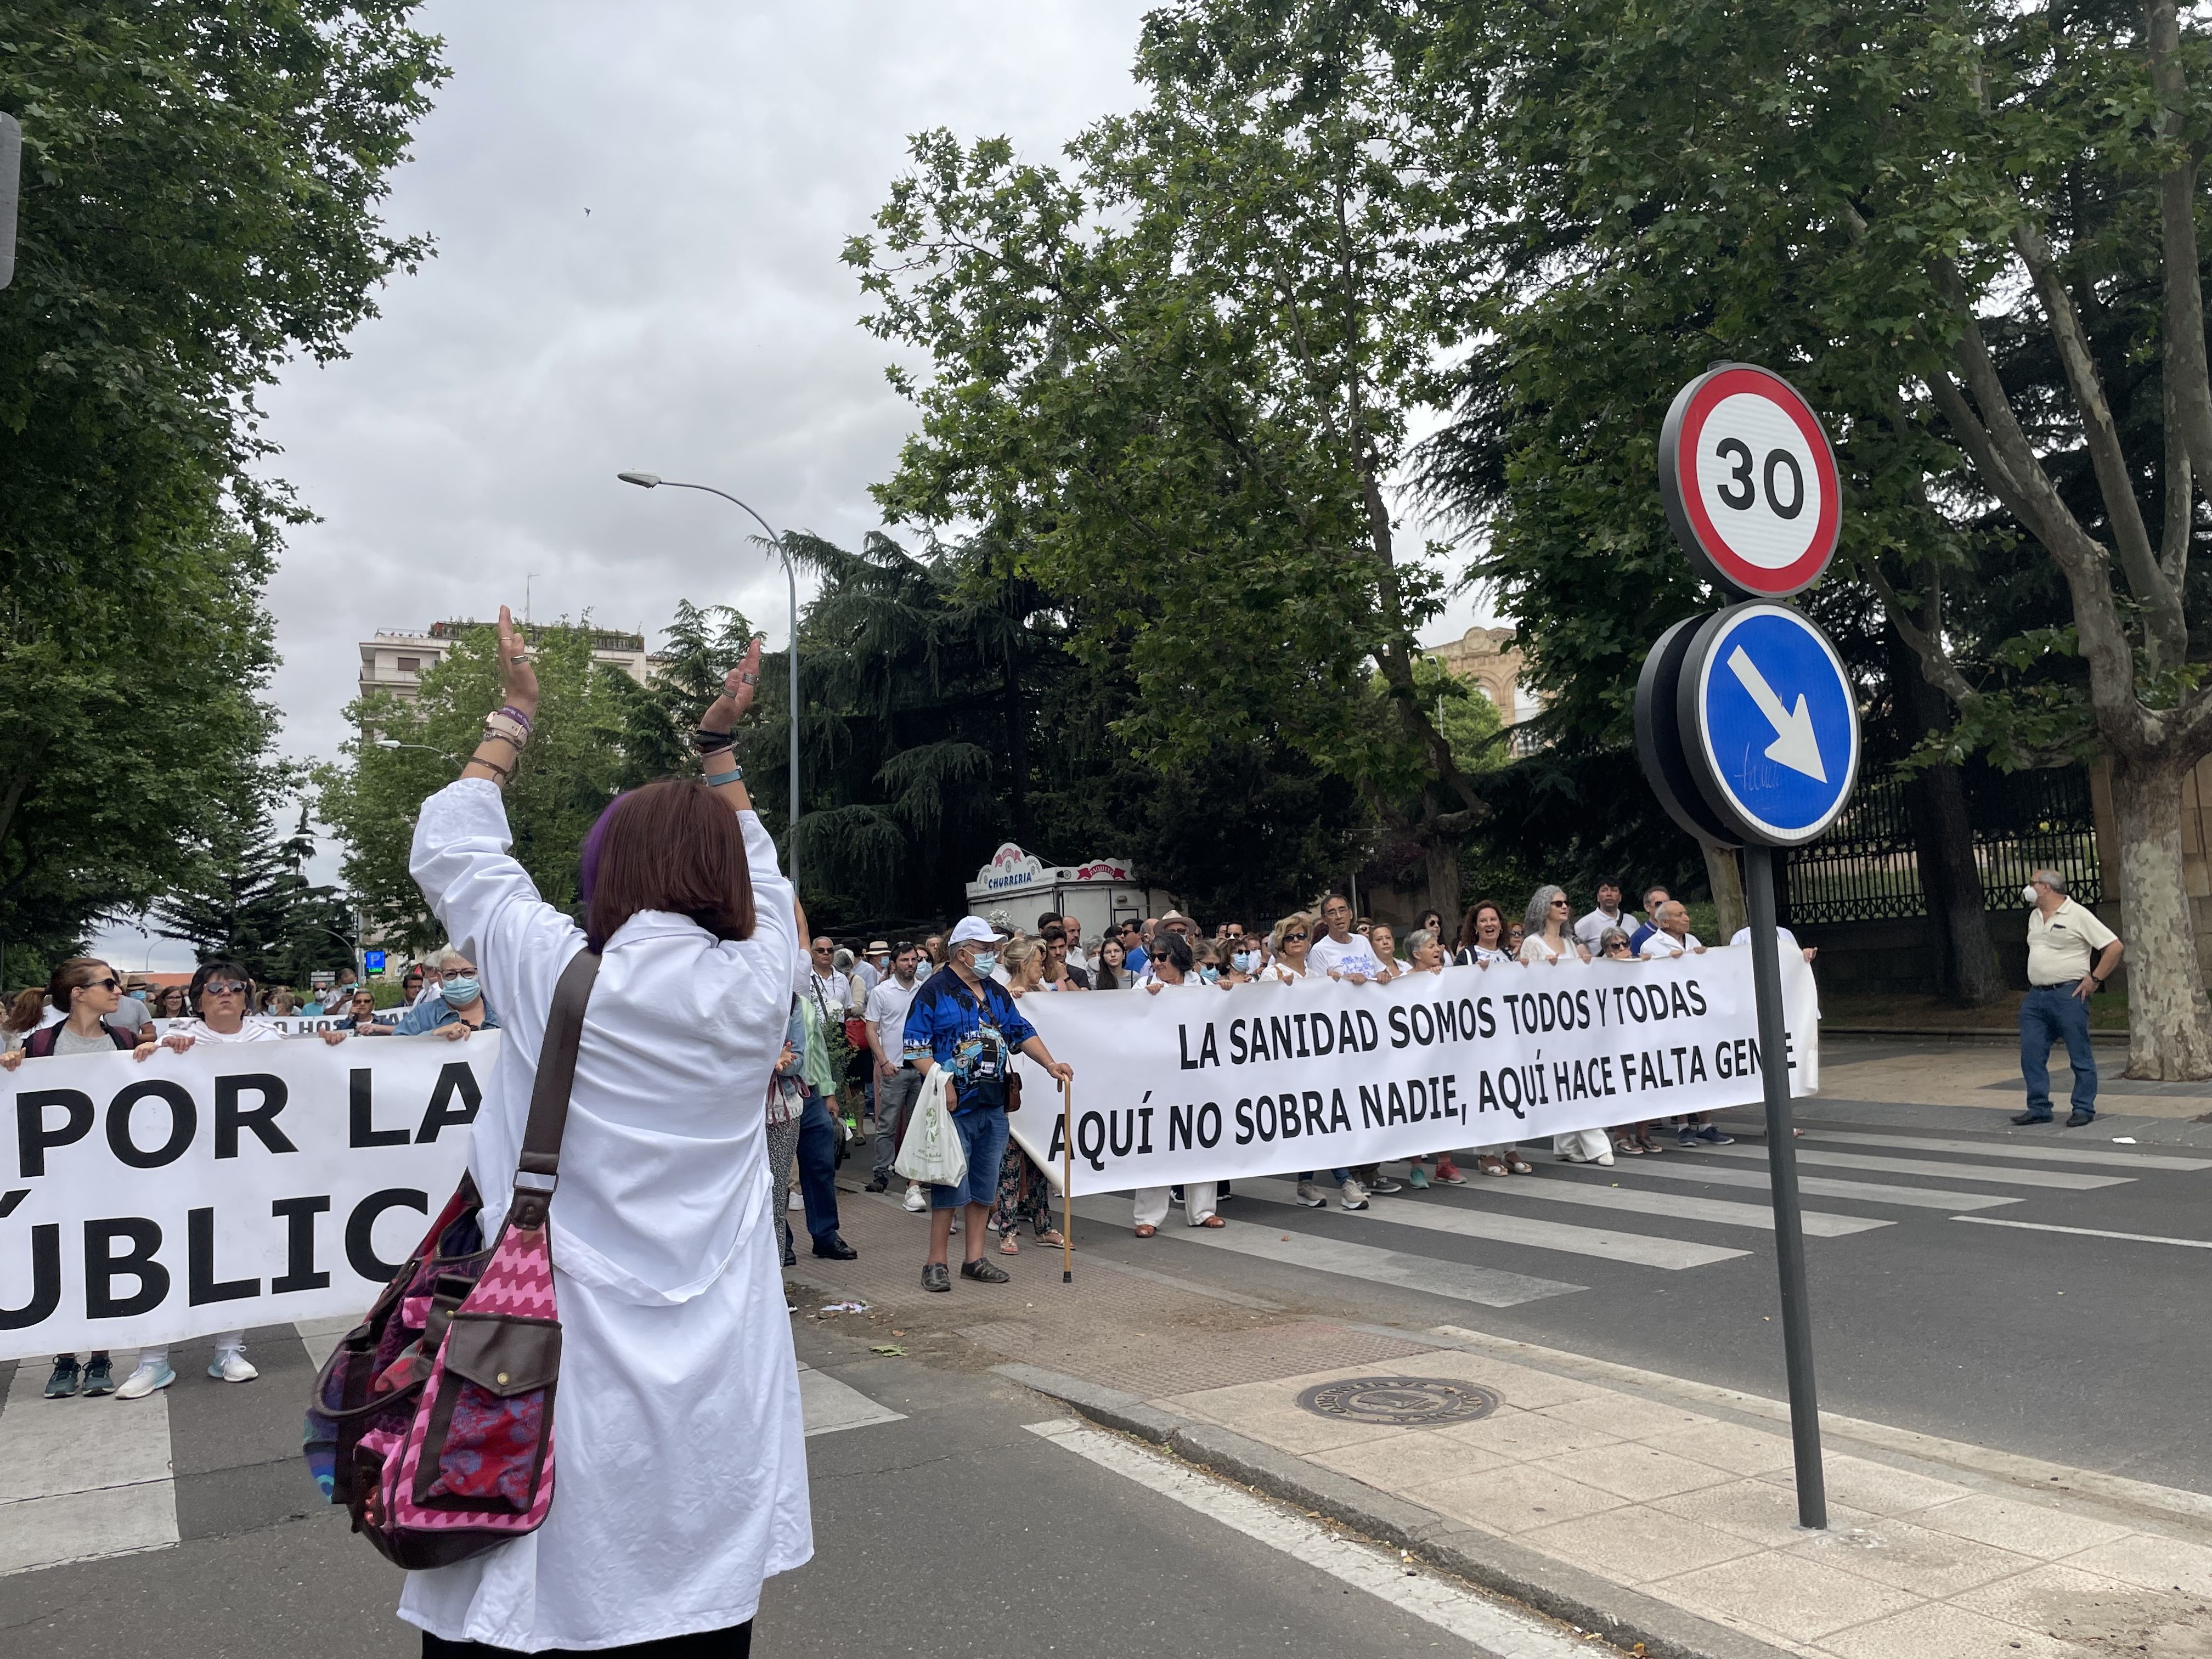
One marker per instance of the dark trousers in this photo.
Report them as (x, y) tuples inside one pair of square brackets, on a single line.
[(894, 1098), (818, 1166), (735, 1642)]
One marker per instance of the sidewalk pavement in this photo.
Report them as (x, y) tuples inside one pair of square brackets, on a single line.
[(1978, 1084)]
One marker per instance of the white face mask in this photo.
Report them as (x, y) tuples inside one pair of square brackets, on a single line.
[(2028, 893)]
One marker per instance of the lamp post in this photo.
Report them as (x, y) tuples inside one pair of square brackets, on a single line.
[(653, 481), (394, 743)]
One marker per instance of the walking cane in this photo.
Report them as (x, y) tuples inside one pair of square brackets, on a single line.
[(1066, 1181)]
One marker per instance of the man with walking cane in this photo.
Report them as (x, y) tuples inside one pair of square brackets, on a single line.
[(969, 1024)]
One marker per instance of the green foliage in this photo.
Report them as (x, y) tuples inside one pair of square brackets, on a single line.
[(248, 902), (573, 766), (197, 203), (1174, 385)]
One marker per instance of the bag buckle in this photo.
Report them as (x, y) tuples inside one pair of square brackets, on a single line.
[(527, 1181)]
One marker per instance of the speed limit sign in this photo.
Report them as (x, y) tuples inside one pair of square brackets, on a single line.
[(1750, 482)]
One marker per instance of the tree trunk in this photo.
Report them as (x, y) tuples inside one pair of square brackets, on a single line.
[(1949, 878), (1443, 854), (1952, 884), (1725, 877), (1017, 751), (2169, 1021)]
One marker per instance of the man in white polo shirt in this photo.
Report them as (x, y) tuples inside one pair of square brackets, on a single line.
[(2062, 940)]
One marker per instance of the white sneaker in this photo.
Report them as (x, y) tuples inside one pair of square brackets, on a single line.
[(232, 1366), (143, 1381), (1355, 1196), (916, 1199), (1309, 1198)]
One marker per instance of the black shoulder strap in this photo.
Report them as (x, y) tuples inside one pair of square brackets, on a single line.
[(538, 1171)]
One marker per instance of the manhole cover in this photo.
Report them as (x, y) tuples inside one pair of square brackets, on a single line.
[(1402, 1401)]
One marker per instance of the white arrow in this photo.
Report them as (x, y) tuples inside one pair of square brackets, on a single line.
[(1793, 744)]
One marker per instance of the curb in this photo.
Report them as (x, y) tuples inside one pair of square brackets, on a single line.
[(1980, 1034), (1621, 1615)]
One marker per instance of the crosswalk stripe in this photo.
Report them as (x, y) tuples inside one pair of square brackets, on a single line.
[(1928, 1167), (2088, 1232), (1866, 1192), (1568, 1189), (1642, 1250), (82, 1478), (2067, 1153), (1490, 1288)]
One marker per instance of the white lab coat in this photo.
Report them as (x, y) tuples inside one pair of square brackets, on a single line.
[(679, 1453)]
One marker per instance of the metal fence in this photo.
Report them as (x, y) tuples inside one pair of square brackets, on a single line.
[(1865, 868)]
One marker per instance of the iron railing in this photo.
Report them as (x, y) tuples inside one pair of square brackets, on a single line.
[(1866, 869)]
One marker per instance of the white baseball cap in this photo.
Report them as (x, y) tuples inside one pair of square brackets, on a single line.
[(975, 928)]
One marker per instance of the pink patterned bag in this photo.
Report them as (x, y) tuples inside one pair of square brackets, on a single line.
[(433, 1419)]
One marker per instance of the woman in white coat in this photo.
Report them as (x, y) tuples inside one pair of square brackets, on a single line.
[(683, 1464)]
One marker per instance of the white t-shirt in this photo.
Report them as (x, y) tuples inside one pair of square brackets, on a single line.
[(1354, 956), (1591, 929), (253, 1029), (1481, 956), (870, 977), (1534, 949), (887, 1006), (1661, 945)]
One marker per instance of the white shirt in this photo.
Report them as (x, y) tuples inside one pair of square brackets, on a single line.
[(1663, 944), (1591, 929), (870, 977), (682, 1455), (252, 1029), (833, 987), (1075, 958), (2062, 946), (1485, 956), (1354, 956), (1534, 949), (887, 1006)]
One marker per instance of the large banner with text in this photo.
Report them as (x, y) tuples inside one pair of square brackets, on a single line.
[(1197, 1083), (155, 1200)]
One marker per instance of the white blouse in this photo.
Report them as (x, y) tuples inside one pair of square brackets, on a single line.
[(680, 1455)]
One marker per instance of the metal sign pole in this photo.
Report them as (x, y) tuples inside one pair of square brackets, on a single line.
[(1782, 1167)]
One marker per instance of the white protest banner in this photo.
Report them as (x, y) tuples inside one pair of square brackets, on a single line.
[(229, 1186), (1198, 1085)]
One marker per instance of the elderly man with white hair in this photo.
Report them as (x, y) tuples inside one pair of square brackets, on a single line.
[(2070, 955)]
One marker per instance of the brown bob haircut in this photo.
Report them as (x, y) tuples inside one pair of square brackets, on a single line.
[(670, 846)]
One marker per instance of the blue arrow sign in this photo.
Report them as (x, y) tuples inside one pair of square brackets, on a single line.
[(1776, 726)]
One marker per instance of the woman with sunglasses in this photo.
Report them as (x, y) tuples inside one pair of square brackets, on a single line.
[(1289, 945), (1633, 1139), (222, 991), (93, 994), (1550, 941), (1483, 942)]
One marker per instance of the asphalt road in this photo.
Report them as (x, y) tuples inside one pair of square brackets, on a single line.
[(2079, 1349), (950, 1530)]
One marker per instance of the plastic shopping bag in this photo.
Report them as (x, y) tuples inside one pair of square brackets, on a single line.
[(931, 1151)]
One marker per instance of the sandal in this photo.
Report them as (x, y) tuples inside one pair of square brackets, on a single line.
[(1145, 1230), (1491, 1164), (1624, 1145), (1213, 1221), (1520, 1165), (1051, 1237), (1007, 1246)]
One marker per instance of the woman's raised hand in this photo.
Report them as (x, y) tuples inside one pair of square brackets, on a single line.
[(517, 679), (740, 687)]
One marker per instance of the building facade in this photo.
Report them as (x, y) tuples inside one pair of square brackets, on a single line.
[(1485, 659), (395, 661)]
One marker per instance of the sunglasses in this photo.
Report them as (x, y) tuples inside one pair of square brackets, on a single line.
[(1294, 938), (223, 988), (1561, 904), (111, 983)]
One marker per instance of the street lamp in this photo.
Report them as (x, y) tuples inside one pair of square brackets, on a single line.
[(653, 481), (394, 743)]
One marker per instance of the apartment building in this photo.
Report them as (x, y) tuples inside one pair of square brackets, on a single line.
[(395, 661)]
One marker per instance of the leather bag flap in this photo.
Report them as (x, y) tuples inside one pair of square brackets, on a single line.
[(503, 1354)]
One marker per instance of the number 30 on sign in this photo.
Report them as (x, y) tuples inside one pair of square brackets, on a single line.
[(1750, 482)]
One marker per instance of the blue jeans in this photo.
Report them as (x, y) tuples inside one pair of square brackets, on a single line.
[(983, 1134), (2049, 1014), (818, 1166)]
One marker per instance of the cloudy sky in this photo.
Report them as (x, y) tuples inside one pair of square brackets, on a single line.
[(638, 212)]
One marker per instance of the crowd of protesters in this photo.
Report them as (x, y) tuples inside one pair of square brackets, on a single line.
[(955, 1000)]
